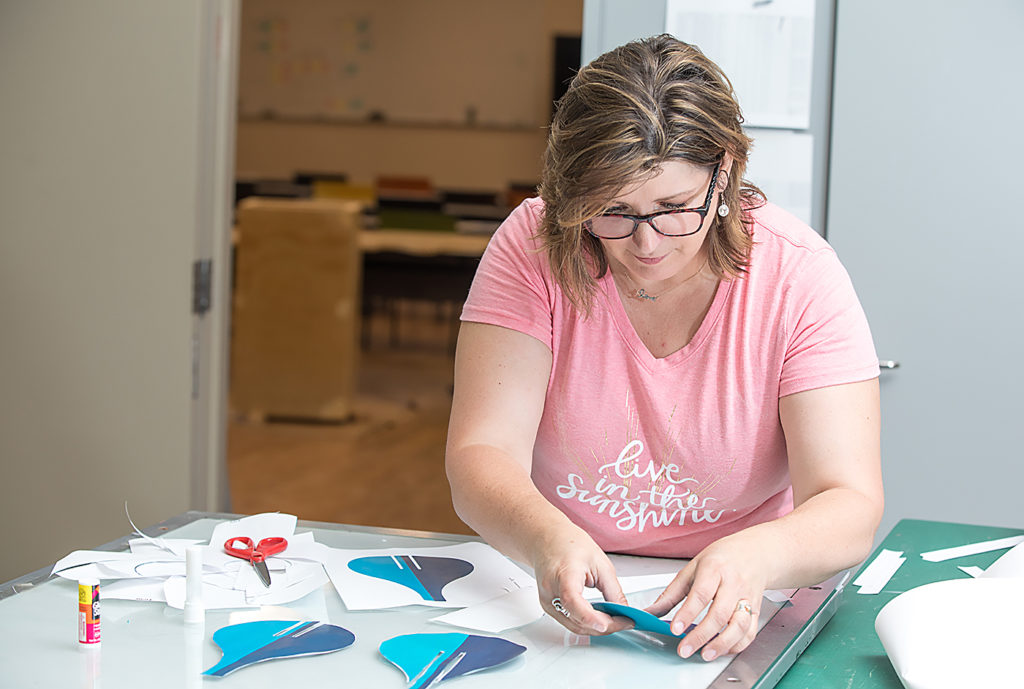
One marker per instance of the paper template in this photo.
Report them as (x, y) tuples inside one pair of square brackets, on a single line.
[(493, 574), (876, 575), (972, 549), (955, 634)]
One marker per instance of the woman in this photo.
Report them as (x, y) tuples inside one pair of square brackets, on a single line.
[(656, 361)]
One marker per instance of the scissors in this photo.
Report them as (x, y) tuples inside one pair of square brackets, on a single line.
[(256, 555)]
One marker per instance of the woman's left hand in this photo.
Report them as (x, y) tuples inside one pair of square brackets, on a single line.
[(730, 575)]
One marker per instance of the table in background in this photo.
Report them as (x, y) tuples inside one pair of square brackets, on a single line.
[(417, 265)]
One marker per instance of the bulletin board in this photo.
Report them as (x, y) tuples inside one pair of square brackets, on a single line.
[(460, 62)]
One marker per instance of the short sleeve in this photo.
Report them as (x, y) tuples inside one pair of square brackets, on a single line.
[(513, 285), (829, 340)]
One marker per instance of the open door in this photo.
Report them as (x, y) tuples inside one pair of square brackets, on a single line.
[(116, 166)]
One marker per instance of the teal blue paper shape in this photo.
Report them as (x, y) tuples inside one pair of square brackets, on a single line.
[(253, 642), (642, 620), (426, 575)]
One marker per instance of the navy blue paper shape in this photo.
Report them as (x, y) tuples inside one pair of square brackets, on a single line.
[(252, 642), (425, 575), (427, 659)]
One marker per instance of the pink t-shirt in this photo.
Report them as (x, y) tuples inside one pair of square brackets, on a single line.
[(663, 456)]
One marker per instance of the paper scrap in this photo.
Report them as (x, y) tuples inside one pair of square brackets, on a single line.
[(972, 571), (972, 549), (876, 575), (154, 570), (954, 634)]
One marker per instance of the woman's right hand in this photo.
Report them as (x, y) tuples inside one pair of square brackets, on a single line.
[(563, 564)]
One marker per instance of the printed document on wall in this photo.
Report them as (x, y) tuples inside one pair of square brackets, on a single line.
[(765, 47)]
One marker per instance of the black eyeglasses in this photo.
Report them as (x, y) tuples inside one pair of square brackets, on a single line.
[(674, 222)]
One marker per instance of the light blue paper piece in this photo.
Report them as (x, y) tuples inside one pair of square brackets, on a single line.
[(253, 642)]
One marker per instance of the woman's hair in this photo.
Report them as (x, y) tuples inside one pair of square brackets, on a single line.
[(624, 114)]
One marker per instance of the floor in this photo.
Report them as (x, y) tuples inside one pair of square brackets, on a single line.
[(383, 468)]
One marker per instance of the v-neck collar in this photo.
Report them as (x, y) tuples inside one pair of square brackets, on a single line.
[(613, 301)]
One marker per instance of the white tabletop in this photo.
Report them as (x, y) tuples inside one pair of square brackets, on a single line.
[(148, 644)]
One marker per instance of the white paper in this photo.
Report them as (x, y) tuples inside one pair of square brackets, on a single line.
[(876, 575), (493, 575), (1010, 564), (972, 549), (955, 634), (214, 597), (257, 527), (513, 609), (522, 606), (152, 571), (146, 590), (174, 546), (765, 48)]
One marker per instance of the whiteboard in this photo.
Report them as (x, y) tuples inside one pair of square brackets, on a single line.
[(444, 61)]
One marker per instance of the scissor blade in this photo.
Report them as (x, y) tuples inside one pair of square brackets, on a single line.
[(263, 572)]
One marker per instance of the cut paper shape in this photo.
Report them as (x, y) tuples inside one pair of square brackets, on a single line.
[(877, 574), (643, 621), (972, 549), (427, 659), (253, 642), (425, 575)]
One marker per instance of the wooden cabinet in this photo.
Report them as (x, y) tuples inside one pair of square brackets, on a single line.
[(297, 307)]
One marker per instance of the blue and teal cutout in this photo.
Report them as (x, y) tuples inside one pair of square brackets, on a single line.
[(425, 575), (642, 620), (427, 659), (253, 642)]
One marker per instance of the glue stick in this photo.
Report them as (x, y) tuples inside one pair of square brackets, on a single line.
[(194, 611), (88, 611)]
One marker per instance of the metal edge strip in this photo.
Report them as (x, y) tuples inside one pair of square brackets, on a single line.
[(784, 637)]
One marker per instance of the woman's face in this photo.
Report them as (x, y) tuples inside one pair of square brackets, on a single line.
[(648, 257)]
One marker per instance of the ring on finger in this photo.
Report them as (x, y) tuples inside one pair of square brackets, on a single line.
[(556, 603), (744, 606)]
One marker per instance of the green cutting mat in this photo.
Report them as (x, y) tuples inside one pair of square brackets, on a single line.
[(847, 653)]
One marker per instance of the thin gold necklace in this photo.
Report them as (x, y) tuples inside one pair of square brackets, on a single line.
[(641, 294)]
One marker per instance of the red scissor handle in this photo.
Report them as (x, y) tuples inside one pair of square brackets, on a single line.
[(264, 549)]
